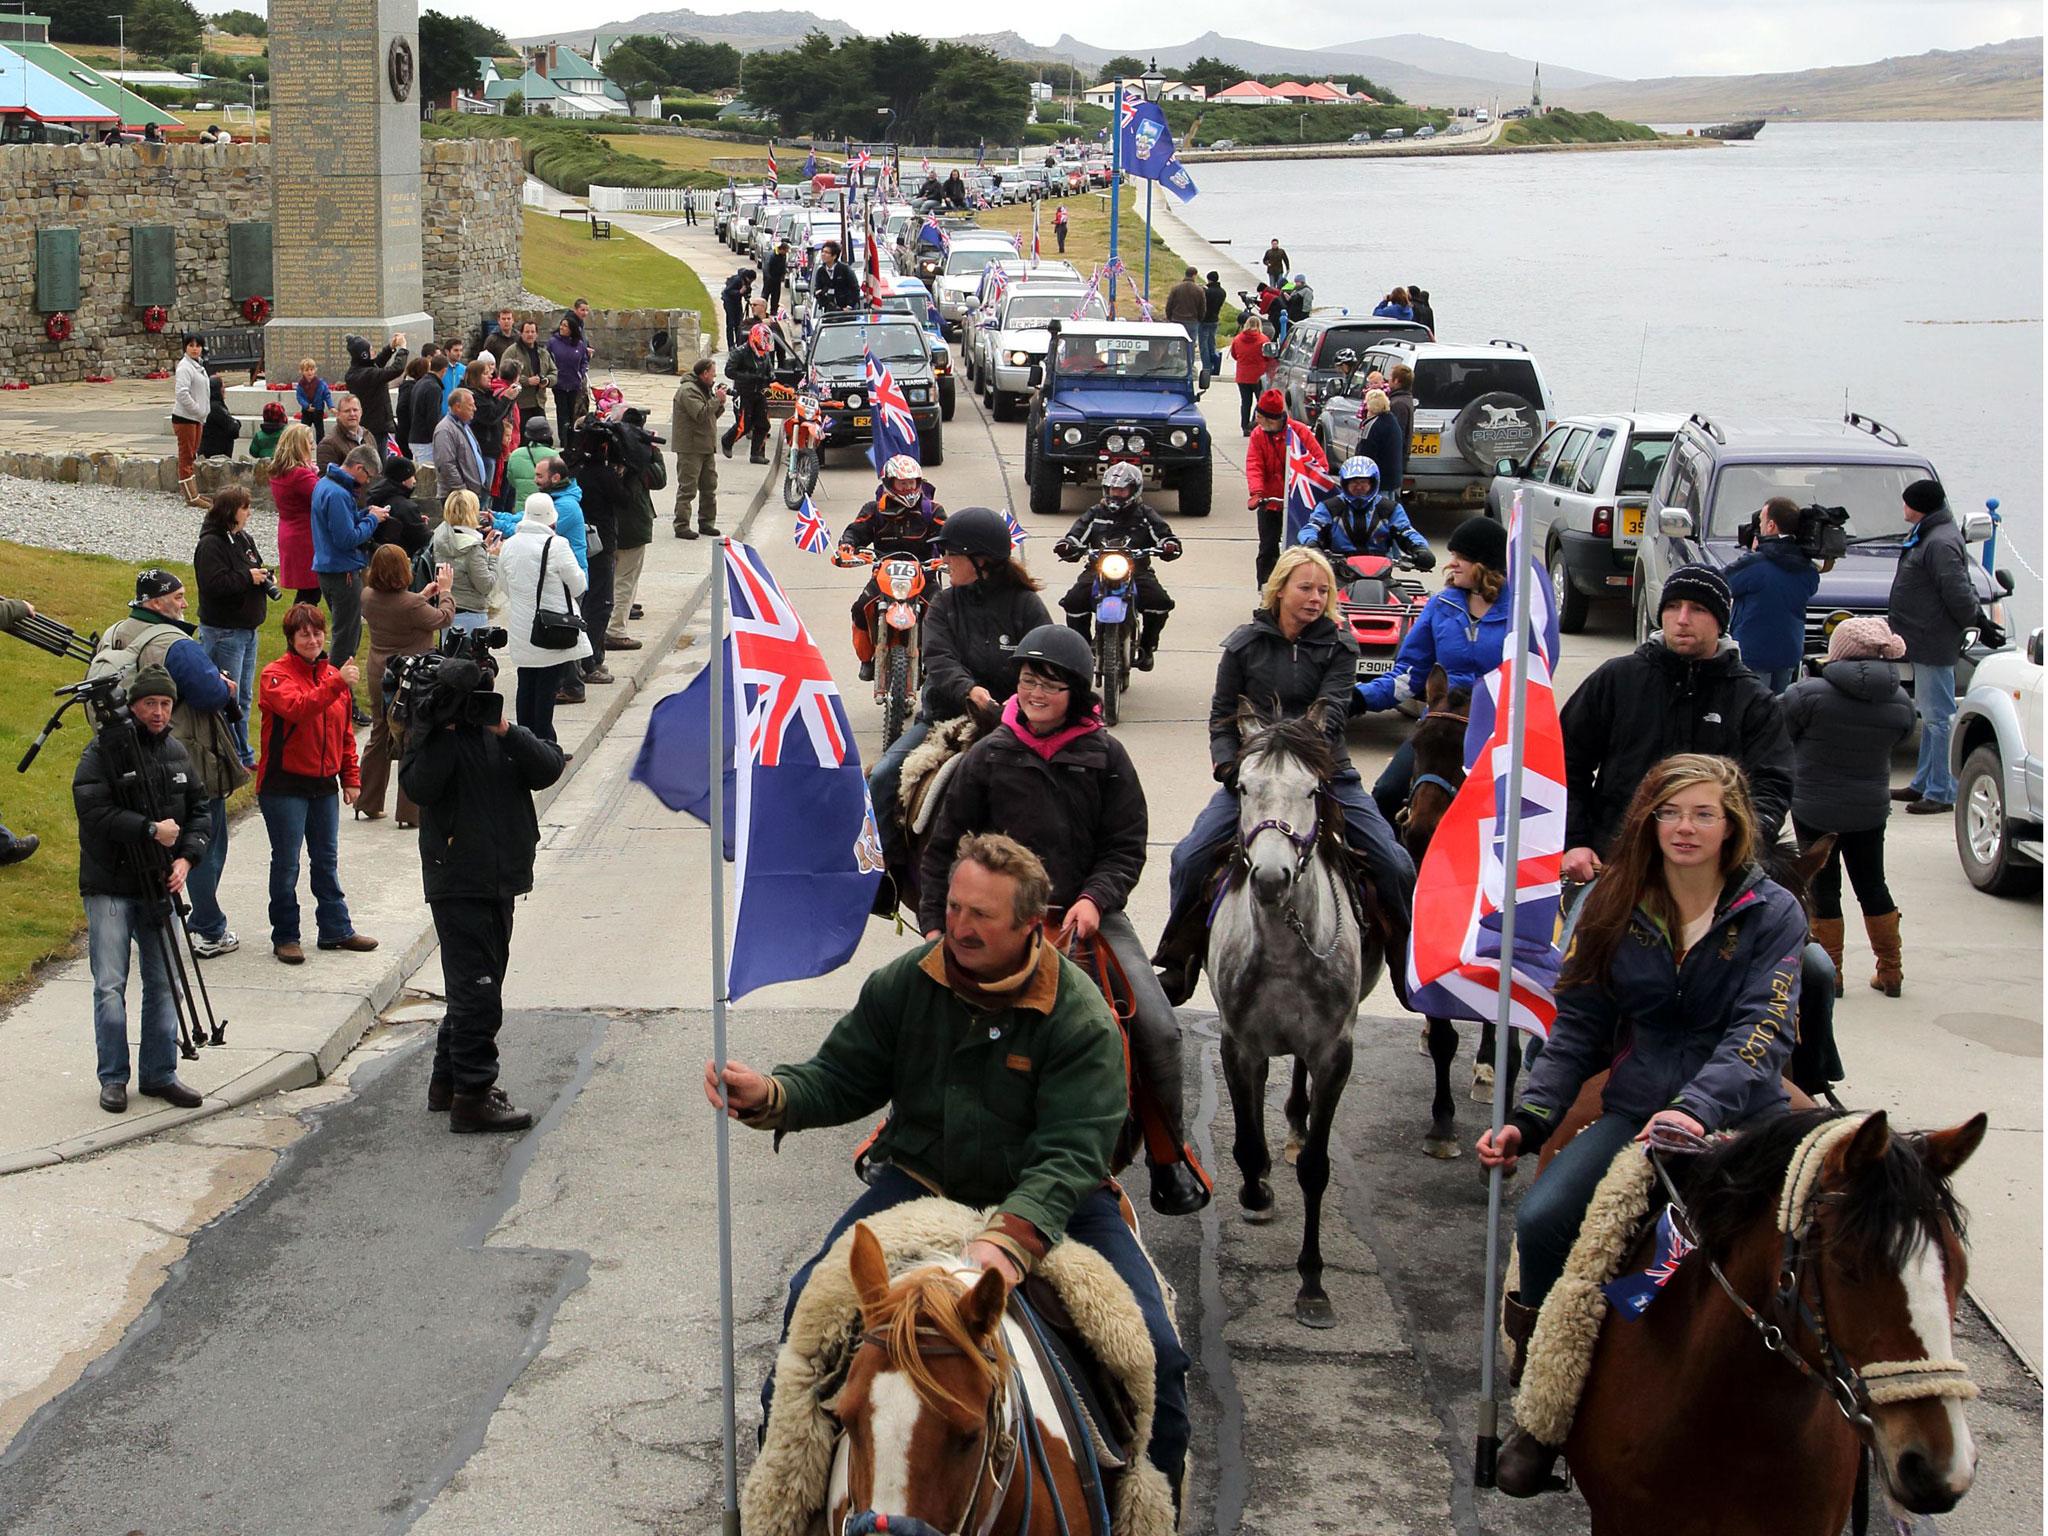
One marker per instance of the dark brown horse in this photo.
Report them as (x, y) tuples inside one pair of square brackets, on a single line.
[(1691, 1422), (1439, 743), (937, 1415)]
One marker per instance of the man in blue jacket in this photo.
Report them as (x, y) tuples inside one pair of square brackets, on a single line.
[(1771, 586), (342, 531), (1359, 519)]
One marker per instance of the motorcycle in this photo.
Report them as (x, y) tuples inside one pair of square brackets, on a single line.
[(804, 456), (1114, 603), (908, 586), (1379, 601)]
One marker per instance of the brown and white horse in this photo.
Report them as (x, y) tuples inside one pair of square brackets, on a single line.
[(948, 1421), (1745, 1408)]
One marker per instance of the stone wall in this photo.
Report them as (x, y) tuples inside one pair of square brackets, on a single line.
[(470, 189), (618, 337)]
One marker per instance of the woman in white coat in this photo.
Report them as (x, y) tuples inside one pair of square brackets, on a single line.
[(537, 570)]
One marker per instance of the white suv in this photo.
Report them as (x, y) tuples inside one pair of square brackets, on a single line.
[(1995, 753), (1474, 406)]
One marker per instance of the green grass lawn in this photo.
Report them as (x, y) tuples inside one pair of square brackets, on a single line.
[(1561, 127), (562, 262), (40, 898)]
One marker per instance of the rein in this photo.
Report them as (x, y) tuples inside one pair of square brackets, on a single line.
[(1304, 844), (1004, 1451)]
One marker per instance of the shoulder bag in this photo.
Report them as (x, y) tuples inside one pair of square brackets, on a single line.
[(554, 629)]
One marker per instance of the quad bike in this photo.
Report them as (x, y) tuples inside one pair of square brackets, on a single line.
[(1379, 600)]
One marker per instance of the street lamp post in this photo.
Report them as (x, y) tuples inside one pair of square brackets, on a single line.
[(1116, 179), (1154, 83), (120, 42)]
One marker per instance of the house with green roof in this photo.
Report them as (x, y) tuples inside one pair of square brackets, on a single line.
[(557, 82), (29, 38)]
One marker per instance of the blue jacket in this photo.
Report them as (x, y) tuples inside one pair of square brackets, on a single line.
[(1709, 1034), (1445, 636), (451, 380), (1772, 585), (321, 399), (1387, 309), (1342, 526), (568, 522), (341, 533)]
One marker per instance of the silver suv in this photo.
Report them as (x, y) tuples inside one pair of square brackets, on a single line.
[(1995, 753), (1474, 406), (1586, 493)]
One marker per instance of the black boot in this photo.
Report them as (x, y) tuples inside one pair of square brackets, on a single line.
[(486, 1111), (1177, 1190), (1083, 625), (1527, 1467), (14, 849), (1153, 625), (867, 670), (1182, 949)]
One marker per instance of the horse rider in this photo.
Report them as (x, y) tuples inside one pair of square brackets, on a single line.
[(1122, 519), (990, 602), (1358, 518), (1681, 983), (1003, 1073), (1051, 777), (1291, 655), (903, 520), (1462, 629)]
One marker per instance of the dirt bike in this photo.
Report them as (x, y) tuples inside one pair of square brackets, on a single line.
[(801, 460), (908, 586), (1114, 604)]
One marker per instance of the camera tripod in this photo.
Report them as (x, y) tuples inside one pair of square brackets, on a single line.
[(148, 863)]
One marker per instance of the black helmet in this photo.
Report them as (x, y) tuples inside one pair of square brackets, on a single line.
[(1061, 649), (975, 531)]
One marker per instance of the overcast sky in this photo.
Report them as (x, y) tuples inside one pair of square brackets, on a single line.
[(1641, 37)]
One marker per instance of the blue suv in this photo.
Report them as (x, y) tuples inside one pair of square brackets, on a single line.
[(1117, 391)]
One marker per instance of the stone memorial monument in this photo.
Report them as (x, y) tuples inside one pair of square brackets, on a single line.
[(345, 180)]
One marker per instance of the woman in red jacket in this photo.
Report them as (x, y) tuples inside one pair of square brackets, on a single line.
[(1265, 474), (292, 478), (309, 753), (1251, 364)]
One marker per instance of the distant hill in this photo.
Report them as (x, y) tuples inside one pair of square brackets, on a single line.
[(1443, 57), (1999, 80), (745, 30)]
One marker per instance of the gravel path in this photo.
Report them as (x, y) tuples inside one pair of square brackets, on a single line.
[(131, 525)]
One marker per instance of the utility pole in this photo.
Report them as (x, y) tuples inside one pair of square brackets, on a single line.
[(120, 42)]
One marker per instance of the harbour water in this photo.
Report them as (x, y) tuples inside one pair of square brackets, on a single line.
[(1896, 266)]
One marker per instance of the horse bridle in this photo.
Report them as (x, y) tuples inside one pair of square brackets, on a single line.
[(1416, 781), (1304, 844)]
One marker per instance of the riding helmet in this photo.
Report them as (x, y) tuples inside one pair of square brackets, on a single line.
[(1059, 649), (1483, 540), (975, 531)]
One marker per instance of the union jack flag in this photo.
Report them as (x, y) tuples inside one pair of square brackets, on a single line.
[(771, 166), (1016, 529), (895, 427), (1454, 950), (1632, 1294), (860, 161), (810, 534), (1308, 480)]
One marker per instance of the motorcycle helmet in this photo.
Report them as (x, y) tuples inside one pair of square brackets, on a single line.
[(899, 469), (1059, 650), (1122, 477), (1347, 355), (977, 532), (758, 339), (1359, 467)]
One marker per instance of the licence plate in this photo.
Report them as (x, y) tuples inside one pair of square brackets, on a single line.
[(1372, 666), (1632, 522), (1426, 442), (863, 421)]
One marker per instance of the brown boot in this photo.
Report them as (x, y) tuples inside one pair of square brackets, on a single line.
[(487, 1111), (1526, 1467), (1884, 943), (1518, 1322), (1827, 933)]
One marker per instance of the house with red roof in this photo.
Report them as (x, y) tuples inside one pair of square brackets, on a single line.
[(1247, 93)]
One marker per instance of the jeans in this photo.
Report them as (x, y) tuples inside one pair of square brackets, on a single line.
[(1390, 790), (1777, 679), (420, 453), (476, 947), (597, 608), (533, 702), (885, 782), (1863, 854), (343, 591), (1934, 695), (296, 821), (1547, 1221), (1205, 338), (475, 619), (1097, 1223), (234, 652), (111, 924), (202, 885)]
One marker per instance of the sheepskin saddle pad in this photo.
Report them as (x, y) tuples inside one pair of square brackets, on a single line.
[(928, 768), (787, 1487), (1561, 1350)]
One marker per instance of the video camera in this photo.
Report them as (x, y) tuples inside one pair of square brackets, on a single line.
[(1822, 533), (449, 686)]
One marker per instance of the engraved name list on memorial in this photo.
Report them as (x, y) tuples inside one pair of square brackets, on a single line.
[(329, 201)]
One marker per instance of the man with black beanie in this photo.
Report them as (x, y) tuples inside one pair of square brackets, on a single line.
[(1932, 602), (474, 786), (369, 380)]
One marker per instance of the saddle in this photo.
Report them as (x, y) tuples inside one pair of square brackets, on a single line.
[(1089, 1329), (921, 787)]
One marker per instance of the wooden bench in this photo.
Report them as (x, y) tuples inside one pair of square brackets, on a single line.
[(600, 229), (234, 347)]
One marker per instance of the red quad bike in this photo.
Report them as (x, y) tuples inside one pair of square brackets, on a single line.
[(1379, 600), (907, 587)]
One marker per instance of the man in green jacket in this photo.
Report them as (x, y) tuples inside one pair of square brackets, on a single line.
[(693, 434), (1004, 1076)]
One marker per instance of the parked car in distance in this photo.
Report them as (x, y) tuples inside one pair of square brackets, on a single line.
[(1224, 144), (960, 271), (1363, 136), (1721, 470), (1474, 406), (1995, 753), (1393, 133), (1586, 494), (835, 367), (1426, 131), (1305, 364)]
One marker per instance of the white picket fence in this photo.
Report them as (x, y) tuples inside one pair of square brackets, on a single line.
[(640, 199), (533, 193)]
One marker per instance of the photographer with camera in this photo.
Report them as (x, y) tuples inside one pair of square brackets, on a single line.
[(129, 863), (644, 473), (1771, 585), (596, 460), (401, 622), (13, 849), (473, 776), (236, 589), (206, 722)]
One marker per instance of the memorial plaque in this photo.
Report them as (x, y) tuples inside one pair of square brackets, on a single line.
[(345, 180)]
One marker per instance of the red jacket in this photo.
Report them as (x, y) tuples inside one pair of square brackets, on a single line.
[(1265, 463), (1248, 351), (309, 743)]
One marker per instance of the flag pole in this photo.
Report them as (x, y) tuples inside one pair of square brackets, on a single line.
[(1486, 1451), (728, 1444)]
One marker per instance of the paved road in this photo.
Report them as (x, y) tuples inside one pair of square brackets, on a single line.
[(400, 1329)]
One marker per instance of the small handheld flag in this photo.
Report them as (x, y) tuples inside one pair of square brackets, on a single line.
[(1632, 1294), (810, 534), (1016, 529)]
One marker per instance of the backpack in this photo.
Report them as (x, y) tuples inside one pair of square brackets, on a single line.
[(123, 651)]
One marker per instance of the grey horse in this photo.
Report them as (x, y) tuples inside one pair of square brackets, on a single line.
[(1288, 970)]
